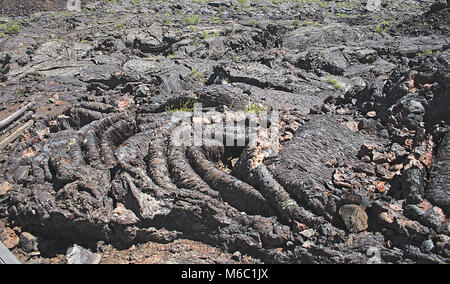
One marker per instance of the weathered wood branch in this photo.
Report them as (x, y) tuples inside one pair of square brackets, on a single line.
[(15, 115), (15, 134)]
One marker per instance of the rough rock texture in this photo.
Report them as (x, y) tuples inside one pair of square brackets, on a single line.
[(354, 217), (438, 190), (80, 255), (353, 166), (28, 242)]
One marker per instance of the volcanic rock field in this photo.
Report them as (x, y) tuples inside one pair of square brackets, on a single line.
[(361, 93)]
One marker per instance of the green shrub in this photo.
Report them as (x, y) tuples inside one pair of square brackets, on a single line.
[(334, 83), (424, 52), (192, 20), (10, 28), (255, 108), (199, 76), (383, 27), (186, 106), (205, 34), (254, 23)]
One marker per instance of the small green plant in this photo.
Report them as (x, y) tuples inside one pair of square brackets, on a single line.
[(342, 15), (231, 105), (243, 3), (192, 28), (10, 28), (20, 91), (383, 27), (70, 144), (255, 108), (205, 34), (186, 106), (254, 23), (196, 43), (88, 11), (425, 52), (192, 20), (172, 55), (222, 8), (215, 20), (150, 58), (119, 26), (216, 33), (39, 74), (200, 76), (334, 83), (168, 17)]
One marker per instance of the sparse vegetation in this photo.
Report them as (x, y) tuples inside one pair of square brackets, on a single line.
[(383, 27), (243, 3), (10, 28), (186, 105), (254, 23), (205, 34), (20, 91), (425, 52), (255, 108), (119, 26), (334, 83), (199, 76), (192, 20), (215, 20), (216, 33)]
